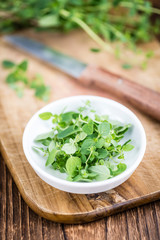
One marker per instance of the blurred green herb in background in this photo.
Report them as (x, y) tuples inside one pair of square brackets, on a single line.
[(96, 50), (125, 21), (18, 79), (126, 66)]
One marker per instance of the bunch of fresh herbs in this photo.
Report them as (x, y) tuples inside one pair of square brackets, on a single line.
[(125, 21), (18, 79), (85, 147)]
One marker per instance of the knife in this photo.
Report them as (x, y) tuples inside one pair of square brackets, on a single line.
[(145, 99)]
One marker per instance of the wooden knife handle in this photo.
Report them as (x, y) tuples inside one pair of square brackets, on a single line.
[(139, 96)]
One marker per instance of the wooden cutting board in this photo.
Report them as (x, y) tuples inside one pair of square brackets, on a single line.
[(142, 187)]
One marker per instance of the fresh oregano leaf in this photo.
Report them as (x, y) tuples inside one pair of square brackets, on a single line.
[(23, 65), (69, 148), (49, 21), (46, 142), (45, 115), (86, 145), (38, 149), (100, 143), (127, 147), (51, 145), (102, 172), (51, 157), (11, 78), (44, 136), (88, 128), (67, 117), (67, 132), (81, 136), (8, 64), (104, 129), (102, 153), (96, 50), (121, 167), (73, 164), (127, 66)]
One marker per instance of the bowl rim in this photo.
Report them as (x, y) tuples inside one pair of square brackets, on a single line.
[(66, 183)]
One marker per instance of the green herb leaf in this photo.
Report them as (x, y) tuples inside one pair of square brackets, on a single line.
[(79, 178), (88, 128), (8, 64), (38, 149), (18, 89), (44, 136), (122, 129), (81, 136), (11, 78), (104, 129), (149, 54), (42, 92), (45, 115), (86, 145), (100, 143), (51, 157), (23, 65), (67, 132), (49, 21), (96, 50), (127, 66), (46, 142), (67, 117), (69, 148), (51, 146), (127, 147), (73, 164), (121, 167), (102, 153), (102, 172)]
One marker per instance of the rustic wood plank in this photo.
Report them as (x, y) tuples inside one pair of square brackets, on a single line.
[(131, 225), (25, 221), (142, 187), (35, 226), (17, 223), (2, 199), (52, 230), (90, 231), (9, 208), (157, 212), (145, 229), (151, 222), (117, 227)]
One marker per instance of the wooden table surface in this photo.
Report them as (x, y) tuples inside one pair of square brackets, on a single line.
[(17, 221)]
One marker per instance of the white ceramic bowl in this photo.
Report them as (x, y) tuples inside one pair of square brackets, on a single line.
[(116, 111)]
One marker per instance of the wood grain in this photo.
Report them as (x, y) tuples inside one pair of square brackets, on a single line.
[(142, 187), (134, 224)]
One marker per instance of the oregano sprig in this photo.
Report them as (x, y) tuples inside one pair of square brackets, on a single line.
[(18, 80)]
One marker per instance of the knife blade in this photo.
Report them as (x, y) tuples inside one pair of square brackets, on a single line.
[(145, 99), (65, 63)]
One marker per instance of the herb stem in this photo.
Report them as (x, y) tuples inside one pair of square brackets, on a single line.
[(140, 7), (88, 159), (88, 30)]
